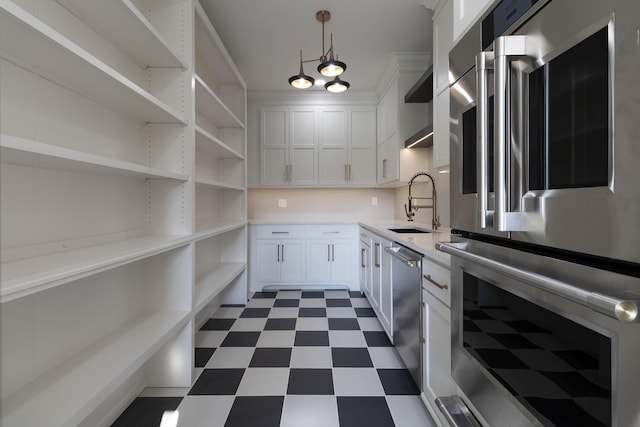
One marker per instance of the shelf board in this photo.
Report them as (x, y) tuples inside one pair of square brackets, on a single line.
[(215, 282), (212, 228), (212, 107), (211, 183), (32, 274), (134, 34), (69, 392), (40, 49), (26, 152), (213, 145)]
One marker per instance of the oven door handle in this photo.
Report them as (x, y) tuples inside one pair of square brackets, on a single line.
[(484, 63), (505, 48), (623, 310)]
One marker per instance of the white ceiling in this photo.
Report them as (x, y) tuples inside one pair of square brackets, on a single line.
[(264, 37)]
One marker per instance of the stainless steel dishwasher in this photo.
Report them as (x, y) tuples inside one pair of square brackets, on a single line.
[(406, 284)]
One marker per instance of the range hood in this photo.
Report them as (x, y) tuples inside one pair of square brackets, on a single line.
[(421, 92), (421, 139)]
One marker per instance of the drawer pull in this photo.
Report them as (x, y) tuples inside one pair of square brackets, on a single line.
[(279, 232), (428, 277)]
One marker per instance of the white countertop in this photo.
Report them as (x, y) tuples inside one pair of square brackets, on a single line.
[(424, 243)]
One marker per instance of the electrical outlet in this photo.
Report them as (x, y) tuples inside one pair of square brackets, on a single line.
[(282, 203), (374, 201)]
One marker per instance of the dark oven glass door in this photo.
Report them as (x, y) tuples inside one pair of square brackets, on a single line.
[(556, 368)]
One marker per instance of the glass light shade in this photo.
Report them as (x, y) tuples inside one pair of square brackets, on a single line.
[(336, 85), (332, 68), (301, 81)]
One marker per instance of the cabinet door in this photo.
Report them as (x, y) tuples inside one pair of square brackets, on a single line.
[(386, 291), (273, 143), (362, 146), (333, 146), (342, 261), (388, 159), (303, 146), (319, 260), (365, 269), (292, 264), (267, 261), (437, 351)]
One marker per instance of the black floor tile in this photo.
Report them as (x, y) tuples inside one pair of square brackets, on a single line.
[(344, 357), (255, 411), (310, 381), (339, 302), (280, 324), (313, 294), (312, 338), (267, 295), (364, 411), (343, 324), (255, 313), (356, 294), (514, 341), (241, 339), (202, 356), (365, 312), (271, 357), (218, 325), (377, 339), (287, 303), (397, 381), (312, 312), (146, 411), (217, 382)]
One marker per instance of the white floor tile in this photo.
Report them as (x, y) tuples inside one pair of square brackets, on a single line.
[(347, 339), (204, 411), (313, 302), (289, 294), (248, 324), (336, 294), (357, 382), (360, 303), (341, 312), (311, 357), (385, 358), (264, 382), (210, 339), (283, 312), (276, 339), (312, 324), (228, 312), (369, 324), (409, 411), (231, 357), (260, 303), (309, 411)]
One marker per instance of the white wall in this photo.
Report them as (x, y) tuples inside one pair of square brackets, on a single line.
[(318, 204)]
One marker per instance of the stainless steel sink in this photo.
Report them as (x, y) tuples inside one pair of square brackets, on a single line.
[(408, 230)]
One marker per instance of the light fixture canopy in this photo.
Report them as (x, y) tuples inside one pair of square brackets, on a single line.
[(329, 66)]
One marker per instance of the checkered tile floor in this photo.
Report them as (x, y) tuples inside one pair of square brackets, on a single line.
[(292, 359)]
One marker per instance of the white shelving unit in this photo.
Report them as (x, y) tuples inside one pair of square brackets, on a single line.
[(123, 201)]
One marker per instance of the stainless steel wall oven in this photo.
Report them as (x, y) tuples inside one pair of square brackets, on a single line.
[(545, 161)]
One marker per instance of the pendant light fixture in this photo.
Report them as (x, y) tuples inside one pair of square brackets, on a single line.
[(329, 66)]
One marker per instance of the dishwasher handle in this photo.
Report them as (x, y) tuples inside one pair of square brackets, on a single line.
[(412, 261)]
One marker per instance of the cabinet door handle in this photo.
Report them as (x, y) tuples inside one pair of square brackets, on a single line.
[(282, 252), (278, 253), (422, 340), (377, 255), (333, 252), (384, 168), (362, 258), (346, 173), (349, 173), (433, 282), (328, 253)]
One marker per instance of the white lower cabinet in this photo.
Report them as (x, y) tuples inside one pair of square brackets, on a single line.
[(303, 255), (381, 294), (436, 326)]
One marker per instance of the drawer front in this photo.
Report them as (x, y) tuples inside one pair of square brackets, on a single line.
[(329, 231), (436, 280), (365, 236), (279, 231)]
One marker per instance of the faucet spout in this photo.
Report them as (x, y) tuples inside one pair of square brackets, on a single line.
[(413, 207)]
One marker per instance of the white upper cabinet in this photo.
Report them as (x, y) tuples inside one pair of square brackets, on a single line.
[(443, 42)]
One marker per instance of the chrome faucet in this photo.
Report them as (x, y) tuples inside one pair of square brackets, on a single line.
[(413, 207)]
